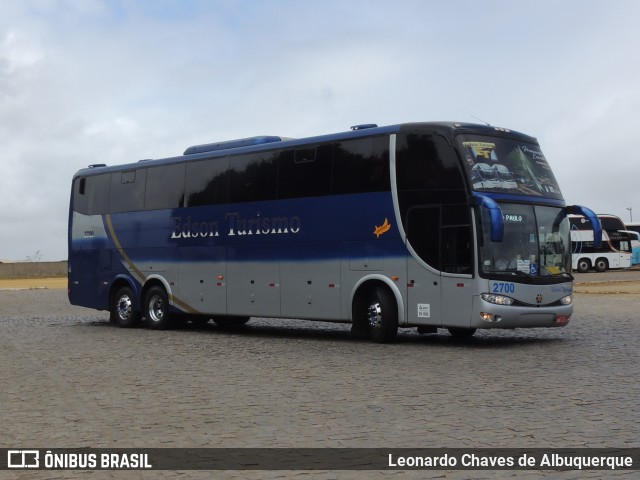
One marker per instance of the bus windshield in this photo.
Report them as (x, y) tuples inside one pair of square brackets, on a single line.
[(536, 242), (503, 165)]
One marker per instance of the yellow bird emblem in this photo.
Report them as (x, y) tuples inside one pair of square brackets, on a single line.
[(384, 228)]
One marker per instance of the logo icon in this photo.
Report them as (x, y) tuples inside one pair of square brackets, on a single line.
[(23, 459), (539, 298), (382, 229)]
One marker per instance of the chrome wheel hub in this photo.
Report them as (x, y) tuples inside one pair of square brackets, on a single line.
[(375, 315), (124, 307), (156, 308)]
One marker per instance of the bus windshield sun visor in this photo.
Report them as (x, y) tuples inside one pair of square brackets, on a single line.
[(593, 218), (497, 221)]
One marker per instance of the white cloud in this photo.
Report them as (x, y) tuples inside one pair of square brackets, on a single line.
[(18, 52)]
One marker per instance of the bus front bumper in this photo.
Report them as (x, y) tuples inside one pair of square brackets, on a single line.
[(489, 315)]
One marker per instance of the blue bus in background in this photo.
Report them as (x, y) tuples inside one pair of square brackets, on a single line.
[(380, 227)]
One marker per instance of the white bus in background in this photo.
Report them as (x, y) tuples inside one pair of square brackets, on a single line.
[(505, 177), (484, 176), (634, 228), (615, 251)]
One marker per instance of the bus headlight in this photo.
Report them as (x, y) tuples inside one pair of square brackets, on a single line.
[(568, 300), (497, 299)]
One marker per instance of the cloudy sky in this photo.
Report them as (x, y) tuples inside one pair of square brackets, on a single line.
[(114, 81)]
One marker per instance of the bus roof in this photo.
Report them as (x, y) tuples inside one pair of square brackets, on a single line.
[(609, 222), (273, 142)]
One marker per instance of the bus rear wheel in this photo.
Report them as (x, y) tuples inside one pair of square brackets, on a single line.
[(601, 265), (122, 309), (382, 315), (584, 265), (156, 308)]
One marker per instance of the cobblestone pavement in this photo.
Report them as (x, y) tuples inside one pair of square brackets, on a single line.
[(70, 379)]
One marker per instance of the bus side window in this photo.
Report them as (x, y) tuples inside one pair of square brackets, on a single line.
[(165, 187), (423, 233), (80, 202), (305, 172), (361, 166), (207, 182), (127, 191), (253, 177), (456, 239), (429, 175), (91, 196)]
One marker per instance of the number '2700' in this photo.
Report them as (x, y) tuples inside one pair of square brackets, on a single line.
[(501, 287)]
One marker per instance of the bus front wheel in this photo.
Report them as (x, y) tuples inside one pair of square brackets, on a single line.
[(156, 308), (382, 315), (584, 265), (601, 265), (122, 309)]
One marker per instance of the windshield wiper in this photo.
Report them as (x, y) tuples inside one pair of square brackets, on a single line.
[(521, 274), (510, 273)]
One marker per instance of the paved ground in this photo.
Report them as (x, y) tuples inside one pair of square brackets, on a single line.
[(70, 379)]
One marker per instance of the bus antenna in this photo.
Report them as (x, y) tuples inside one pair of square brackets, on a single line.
[(479, 119)]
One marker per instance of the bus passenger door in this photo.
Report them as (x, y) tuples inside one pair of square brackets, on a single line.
[(424, 305), (457, 268), (440, 288)]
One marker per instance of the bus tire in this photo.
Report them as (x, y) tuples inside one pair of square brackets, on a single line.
[(601, 265), (156, 308), (122, 311), (584, 265), (461, 333), (382, 315)]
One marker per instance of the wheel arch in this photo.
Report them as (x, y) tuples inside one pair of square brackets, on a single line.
[(365, 284), (156, 281)]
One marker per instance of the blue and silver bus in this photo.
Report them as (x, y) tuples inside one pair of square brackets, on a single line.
[(379, 227)]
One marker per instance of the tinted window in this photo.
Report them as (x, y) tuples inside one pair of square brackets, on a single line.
[(165, 187), (361, 165), (426, 162), (253, 177), (456, 239), (427, 172), (305, 172), (91, 194), (433, 202), (207, 182), (610, 224), (441, 236), (423, 233), (127, 191)]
